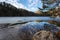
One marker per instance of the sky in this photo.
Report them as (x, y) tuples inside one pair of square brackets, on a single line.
[(31, 5)]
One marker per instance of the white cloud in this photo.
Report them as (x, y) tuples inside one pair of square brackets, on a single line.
[(2, 0), (33, 3), (15, 3), (33, 9), (29, 1)]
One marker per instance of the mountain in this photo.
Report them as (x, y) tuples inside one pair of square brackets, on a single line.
[(9, 10)]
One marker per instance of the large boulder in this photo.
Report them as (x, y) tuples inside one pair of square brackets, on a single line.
[(29, 29)]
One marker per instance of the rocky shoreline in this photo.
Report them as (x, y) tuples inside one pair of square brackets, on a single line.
[(22, 31)]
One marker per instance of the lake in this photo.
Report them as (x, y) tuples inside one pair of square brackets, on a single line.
[(23, 19)]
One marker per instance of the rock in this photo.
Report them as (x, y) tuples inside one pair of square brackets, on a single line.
[(10, 33), (26, 31), (44, 35), (29, 29), (58, 33), (5, 25)]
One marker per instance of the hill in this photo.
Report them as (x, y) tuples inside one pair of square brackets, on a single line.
[(9, 10)]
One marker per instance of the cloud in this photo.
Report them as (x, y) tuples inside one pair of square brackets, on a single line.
[(33, 9), (29, 1), (15, 3), (2, 0), (33, 3)]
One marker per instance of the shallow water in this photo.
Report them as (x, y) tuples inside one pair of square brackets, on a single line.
[(23, 19)]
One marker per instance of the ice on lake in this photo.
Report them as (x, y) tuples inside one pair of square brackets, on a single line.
[(23, 19)]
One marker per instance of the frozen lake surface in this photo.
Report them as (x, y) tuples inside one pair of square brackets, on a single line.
[(23, 19)]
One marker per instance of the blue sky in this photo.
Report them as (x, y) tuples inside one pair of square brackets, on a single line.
[(31, 5)]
